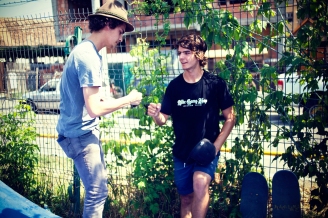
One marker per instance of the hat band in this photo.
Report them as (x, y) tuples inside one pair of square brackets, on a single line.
[(110, 13)]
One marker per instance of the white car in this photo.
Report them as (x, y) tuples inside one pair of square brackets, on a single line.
[(46, 99), (290, 84)]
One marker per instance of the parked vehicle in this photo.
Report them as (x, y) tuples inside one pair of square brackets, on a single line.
[(46, 98), (291, 84)]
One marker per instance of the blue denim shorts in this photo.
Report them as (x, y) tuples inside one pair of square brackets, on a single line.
[(183, 173)]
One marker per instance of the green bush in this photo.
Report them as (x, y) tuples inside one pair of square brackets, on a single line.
[(19, 162), (18, 151)]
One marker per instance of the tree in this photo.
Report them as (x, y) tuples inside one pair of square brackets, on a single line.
[(306, 156)]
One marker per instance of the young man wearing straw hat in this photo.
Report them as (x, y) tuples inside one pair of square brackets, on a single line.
[(82, 103), (194, 100)]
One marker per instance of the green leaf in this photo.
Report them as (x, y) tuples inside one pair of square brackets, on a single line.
[(281, 27), (187, 20)]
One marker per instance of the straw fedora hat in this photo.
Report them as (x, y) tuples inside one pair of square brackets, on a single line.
[(114, 9)]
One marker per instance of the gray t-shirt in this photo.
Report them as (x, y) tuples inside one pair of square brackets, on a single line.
[(82, 69)]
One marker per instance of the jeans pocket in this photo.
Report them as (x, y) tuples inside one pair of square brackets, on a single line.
[(65, 144)]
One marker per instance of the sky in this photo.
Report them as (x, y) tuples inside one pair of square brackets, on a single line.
[(25, 8)]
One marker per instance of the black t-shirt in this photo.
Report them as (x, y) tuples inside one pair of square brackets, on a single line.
[(195, 110)]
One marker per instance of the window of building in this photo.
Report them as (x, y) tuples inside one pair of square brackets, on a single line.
[(253, 66), (79, 9), (251, 42), (237, 1), (154, 44), (289, 16), (169, 3), (224, 2), (125, 4)]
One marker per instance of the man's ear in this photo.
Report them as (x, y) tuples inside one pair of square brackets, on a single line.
[(106, 26)]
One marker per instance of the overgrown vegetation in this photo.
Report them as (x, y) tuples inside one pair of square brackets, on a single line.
[(18, 158), (19, 162)]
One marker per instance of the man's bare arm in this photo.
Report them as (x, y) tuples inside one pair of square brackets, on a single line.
[(153, 110), (230, 120), (97, 105)]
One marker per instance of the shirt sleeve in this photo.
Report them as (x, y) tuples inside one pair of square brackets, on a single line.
[(167, 100), (89, 66)]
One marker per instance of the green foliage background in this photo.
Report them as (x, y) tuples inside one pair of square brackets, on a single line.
[(306, 156)]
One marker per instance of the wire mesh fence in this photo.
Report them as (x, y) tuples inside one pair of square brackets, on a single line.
[(33, 53)]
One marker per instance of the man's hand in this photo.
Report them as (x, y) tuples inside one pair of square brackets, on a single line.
[(135, 97), (154, 109)]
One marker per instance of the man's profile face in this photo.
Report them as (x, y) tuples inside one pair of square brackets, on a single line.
[(115, 36)]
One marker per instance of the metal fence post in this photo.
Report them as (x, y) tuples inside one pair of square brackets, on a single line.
[(76, 187)]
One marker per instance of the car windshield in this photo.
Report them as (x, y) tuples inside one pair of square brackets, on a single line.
[(50, 86)]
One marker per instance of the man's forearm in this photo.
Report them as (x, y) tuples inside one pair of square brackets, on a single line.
[(160, 119), (225, 132)]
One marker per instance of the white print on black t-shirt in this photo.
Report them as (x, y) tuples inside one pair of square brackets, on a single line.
[(191, 103)]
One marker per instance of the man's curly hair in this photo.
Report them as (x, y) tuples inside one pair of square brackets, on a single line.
[(97, 23), (196, 44)]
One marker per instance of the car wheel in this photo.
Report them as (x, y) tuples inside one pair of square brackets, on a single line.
[(32, 105), (313, 109)]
